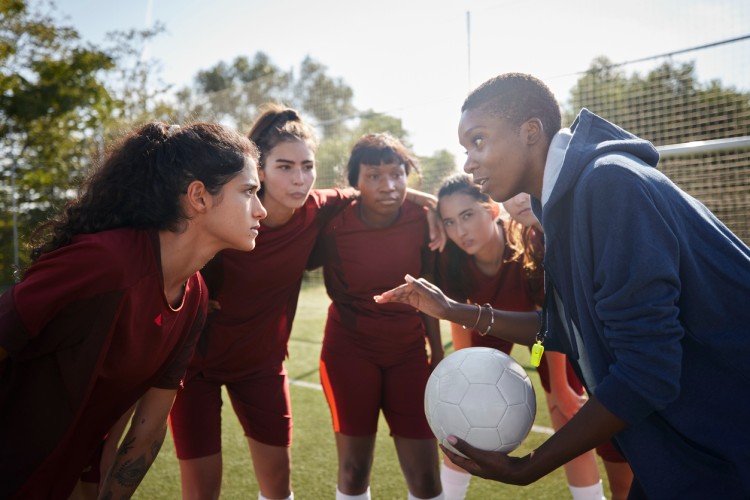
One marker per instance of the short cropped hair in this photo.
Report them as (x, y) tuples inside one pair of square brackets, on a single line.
[(378, 149), (517, 97)]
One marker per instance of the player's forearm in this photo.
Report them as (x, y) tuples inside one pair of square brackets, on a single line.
[(141, 444), (135, 456), (109, 453), (421, 198)]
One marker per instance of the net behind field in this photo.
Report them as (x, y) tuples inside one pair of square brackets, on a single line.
[(696, 91)]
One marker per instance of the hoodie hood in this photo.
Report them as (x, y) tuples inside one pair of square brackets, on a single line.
[(594, 136)]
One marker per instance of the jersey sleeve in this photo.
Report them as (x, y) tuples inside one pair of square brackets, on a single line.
[(332, 201), (74, 272)]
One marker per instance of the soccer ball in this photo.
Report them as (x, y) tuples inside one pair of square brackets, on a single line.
[(482, 396)]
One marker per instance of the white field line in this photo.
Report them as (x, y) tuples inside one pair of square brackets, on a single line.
[(311, 385)]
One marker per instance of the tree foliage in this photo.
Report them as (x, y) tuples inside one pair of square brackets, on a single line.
[(435, 169), (134, 81), (52, 101), (328, 100), (668, 105), (61, 100), (232, 92)]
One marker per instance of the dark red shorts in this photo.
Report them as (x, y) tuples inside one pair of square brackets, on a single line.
[(92, 472), (261, 403), (573, 382), (490, 341), (610, 453), (357, 389)]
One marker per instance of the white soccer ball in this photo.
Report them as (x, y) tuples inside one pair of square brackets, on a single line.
[(482, 396)]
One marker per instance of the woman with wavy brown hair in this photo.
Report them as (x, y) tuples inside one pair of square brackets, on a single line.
[(498, 261)]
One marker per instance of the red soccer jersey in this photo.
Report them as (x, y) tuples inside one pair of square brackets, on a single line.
[(509, 289), (89, 330), (360, 262), (258, 292)]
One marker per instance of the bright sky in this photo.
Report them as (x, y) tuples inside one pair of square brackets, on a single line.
[(410, 58)]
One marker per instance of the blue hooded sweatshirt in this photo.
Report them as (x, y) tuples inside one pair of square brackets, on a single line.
[(649, 295)]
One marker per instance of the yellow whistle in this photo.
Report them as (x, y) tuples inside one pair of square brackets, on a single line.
[(536, 353)]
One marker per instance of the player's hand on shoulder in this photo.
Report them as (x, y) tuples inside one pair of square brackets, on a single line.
[(438, 237)]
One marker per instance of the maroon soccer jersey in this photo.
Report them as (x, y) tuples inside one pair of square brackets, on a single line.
[(89, 330), (509, 289), (258, 292), (360, 262)]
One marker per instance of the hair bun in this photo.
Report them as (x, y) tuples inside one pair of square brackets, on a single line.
[(290, 114)]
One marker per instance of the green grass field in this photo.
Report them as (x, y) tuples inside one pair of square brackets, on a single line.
[(313, 451)]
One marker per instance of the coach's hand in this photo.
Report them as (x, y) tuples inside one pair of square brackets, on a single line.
[(492, 465), (420, 294)]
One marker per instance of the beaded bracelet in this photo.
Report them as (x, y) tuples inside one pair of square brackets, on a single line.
[(492, 320), (479, 315)]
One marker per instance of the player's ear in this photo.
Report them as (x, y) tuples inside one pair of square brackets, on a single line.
[(197, 197), (533, 130)]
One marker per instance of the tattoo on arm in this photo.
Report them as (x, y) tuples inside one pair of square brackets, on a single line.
[(155, 447), (131, 473), (126, 446)]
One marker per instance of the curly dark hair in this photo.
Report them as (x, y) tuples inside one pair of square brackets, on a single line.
[(378, 149), (517, 97), (142, 177)]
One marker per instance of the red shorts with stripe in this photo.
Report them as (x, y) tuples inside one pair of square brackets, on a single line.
[(261, 403), (357, 388)]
